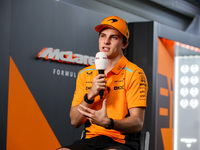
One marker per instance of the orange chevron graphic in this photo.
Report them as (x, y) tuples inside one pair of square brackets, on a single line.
[(27, 127)]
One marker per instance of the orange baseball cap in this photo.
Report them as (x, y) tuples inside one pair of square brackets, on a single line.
[(116, 23)]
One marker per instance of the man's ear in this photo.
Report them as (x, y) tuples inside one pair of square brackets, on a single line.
[(125, 45)]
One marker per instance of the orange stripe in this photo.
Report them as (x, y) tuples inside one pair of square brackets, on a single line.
[(163, 91), (163, 112)]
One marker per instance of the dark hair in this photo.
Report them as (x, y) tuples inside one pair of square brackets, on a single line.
[(124, 42)]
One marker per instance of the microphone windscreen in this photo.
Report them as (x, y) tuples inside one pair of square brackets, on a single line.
[(101, 61)]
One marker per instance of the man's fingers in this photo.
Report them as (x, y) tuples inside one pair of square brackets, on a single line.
[(101, 87), (102, 80), (104, 102), (100, 76), (86, 109), (85, 114)]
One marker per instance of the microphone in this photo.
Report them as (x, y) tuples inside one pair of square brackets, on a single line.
[(101, 65)]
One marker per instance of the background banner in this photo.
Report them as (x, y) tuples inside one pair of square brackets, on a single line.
[(36, 93)]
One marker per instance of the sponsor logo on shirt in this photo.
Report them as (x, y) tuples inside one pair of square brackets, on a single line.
[(118, 68), (143, 79), (119, 80), (140, 72), (89, 73), (88, 87), (143, 96), (119, 87), (143, 84), (88, 81)]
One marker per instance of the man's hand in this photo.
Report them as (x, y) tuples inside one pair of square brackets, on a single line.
[(96, 117), (98, 84)]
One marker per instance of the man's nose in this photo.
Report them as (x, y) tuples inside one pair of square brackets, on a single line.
[(107, 41)]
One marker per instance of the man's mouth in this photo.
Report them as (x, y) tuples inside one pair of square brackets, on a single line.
[(106, 49)]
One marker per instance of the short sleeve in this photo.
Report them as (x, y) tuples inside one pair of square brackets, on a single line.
[(137, 89), (79, 91)]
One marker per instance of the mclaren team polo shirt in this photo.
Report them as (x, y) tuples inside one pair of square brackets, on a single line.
[(126, 88)]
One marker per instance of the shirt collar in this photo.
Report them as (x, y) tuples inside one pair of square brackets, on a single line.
[(120, 65)]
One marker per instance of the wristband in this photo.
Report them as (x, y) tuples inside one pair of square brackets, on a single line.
[(88, 100), (111, 124)]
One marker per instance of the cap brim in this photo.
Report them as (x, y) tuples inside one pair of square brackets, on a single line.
[(98, 28)]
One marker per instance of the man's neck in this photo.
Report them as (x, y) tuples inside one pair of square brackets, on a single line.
[(112, 63)]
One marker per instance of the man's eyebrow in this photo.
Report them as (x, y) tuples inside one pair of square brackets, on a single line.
[(115, 34), (111, 34)]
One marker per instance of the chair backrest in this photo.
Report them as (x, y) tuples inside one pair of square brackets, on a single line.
[(83, 134), (144, 140)]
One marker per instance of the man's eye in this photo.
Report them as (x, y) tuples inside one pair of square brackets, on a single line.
[(114, 37), (102, 35)]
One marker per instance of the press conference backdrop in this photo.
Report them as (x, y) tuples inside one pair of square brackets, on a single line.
[(37, 79), (43, 45), (36, 95)]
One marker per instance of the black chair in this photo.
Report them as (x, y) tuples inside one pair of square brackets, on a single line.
[(144, 139)]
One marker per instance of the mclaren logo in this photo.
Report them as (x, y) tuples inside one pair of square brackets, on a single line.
[(113, 20), (66, 57)]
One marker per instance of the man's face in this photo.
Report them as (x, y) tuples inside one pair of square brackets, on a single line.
[(111, 42)]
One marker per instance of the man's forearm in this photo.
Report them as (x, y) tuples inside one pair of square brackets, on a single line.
[(133, 123), (128, 125), (77, 119)]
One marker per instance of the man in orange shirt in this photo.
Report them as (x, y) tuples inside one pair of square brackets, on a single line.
[(114, 122)]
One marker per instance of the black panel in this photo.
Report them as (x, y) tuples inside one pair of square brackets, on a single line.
[(140, 52), (5, 12)]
